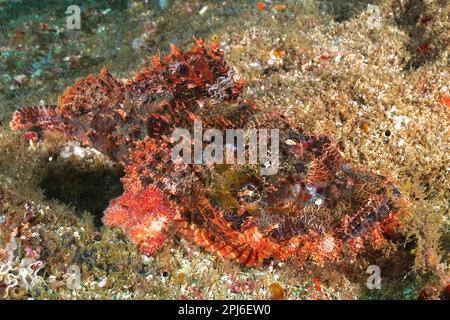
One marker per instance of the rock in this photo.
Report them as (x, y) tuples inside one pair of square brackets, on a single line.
[(137, 44), (21, 79)]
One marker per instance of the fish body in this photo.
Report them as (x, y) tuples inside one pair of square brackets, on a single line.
[(315, 204)]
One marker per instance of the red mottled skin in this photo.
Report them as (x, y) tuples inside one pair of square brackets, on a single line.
[(317, 203)]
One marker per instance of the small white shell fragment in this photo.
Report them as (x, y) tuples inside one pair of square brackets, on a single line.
[(203, 10), (103, 283), (290, 142)]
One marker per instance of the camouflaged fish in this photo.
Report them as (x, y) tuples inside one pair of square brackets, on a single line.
[(317, 203)]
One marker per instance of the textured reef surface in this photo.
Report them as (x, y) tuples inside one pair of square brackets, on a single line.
[(92, 206), (317, 202)]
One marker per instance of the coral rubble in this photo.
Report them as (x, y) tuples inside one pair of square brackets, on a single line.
[(377, 86)]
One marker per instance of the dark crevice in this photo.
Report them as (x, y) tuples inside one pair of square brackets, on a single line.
[(84, 189)]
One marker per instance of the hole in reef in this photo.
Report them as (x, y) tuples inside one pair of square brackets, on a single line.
[(84, 188)]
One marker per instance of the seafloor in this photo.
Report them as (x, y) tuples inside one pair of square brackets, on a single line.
[(381, 91)]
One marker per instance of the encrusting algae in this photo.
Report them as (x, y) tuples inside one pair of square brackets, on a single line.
[(359, 105)]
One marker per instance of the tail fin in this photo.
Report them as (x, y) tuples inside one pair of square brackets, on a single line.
[(43, 117)]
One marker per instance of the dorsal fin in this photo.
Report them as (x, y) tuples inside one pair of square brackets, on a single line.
[(90, 93)]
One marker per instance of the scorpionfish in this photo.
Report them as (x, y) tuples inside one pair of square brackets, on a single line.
[(317, 204)]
